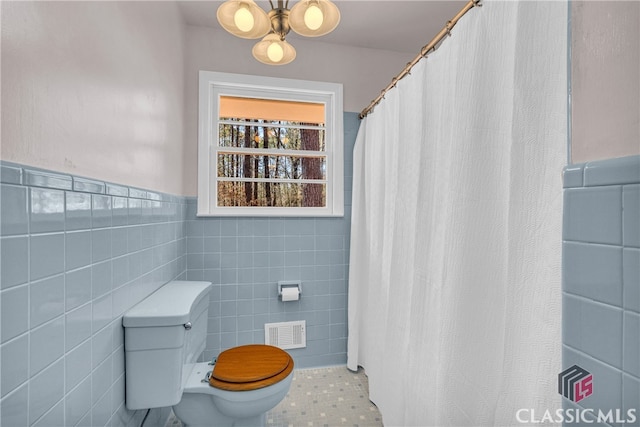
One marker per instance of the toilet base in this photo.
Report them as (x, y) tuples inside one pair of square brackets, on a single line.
[(199, 410), (257, 421), (202, 405)]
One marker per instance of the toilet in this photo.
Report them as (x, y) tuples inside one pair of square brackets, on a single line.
[(164, 336)]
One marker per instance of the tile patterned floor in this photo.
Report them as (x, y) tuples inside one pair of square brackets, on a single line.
[(323, 397), (326, 397)]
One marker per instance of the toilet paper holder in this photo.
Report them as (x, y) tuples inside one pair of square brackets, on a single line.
[(289, 284)]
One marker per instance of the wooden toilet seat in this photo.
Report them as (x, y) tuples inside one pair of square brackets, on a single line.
[(250, 367)]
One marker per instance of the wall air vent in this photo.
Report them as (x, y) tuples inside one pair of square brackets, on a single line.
[(286, 335)]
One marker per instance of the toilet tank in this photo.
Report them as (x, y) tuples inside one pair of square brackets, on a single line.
[(163, 336)]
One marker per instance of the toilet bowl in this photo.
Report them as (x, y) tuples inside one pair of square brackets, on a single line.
[(164, 336), (244, 384)]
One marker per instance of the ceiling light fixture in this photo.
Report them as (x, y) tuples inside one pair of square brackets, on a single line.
[(245, 19)]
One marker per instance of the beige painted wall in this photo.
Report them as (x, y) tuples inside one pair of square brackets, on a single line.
[(108, 90), (605, 70), (95, 89)]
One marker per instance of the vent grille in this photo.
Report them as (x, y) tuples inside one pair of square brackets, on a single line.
[(286, 335)]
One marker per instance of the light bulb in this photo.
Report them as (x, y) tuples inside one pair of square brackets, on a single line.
[(313, 17), (275, 52), (243, 18)]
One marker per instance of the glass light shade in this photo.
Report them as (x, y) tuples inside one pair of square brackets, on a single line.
[(313, 18), (273, 51), (243, 18)]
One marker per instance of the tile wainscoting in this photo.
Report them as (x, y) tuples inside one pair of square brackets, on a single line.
[(76, 253), (601, 281)]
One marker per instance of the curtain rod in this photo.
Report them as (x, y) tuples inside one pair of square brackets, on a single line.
[(430, 47)]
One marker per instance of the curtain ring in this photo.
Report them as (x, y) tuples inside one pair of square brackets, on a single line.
[(424, 54), (448, 28)]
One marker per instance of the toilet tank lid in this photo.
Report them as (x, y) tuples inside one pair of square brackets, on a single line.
[(170, 305)]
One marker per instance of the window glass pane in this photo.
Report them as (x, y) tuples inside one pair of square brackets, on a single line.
[(233, 165), (269, 146), (271, 194), (232, 107), (263, 137)]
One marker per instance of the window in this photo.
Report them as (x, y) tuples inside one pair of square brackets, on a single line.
[(269, 146)]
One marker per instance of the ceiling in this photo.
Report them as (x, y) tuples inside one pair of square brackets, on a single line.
[(401, 26)]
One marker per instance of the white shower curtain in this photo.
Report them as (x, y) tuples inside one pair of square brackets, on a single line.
[(454, 281)]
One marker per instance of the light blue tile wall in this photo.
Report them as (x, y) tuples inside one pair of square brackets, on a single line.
[(75, 254), (601, 280), (246, 257)]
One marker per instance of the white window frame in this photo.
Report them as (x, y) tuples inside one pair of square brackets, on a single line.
[(212, 85)]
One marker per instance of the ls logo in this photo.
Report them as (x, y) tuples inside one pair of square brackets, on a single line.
[(575, 383)]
